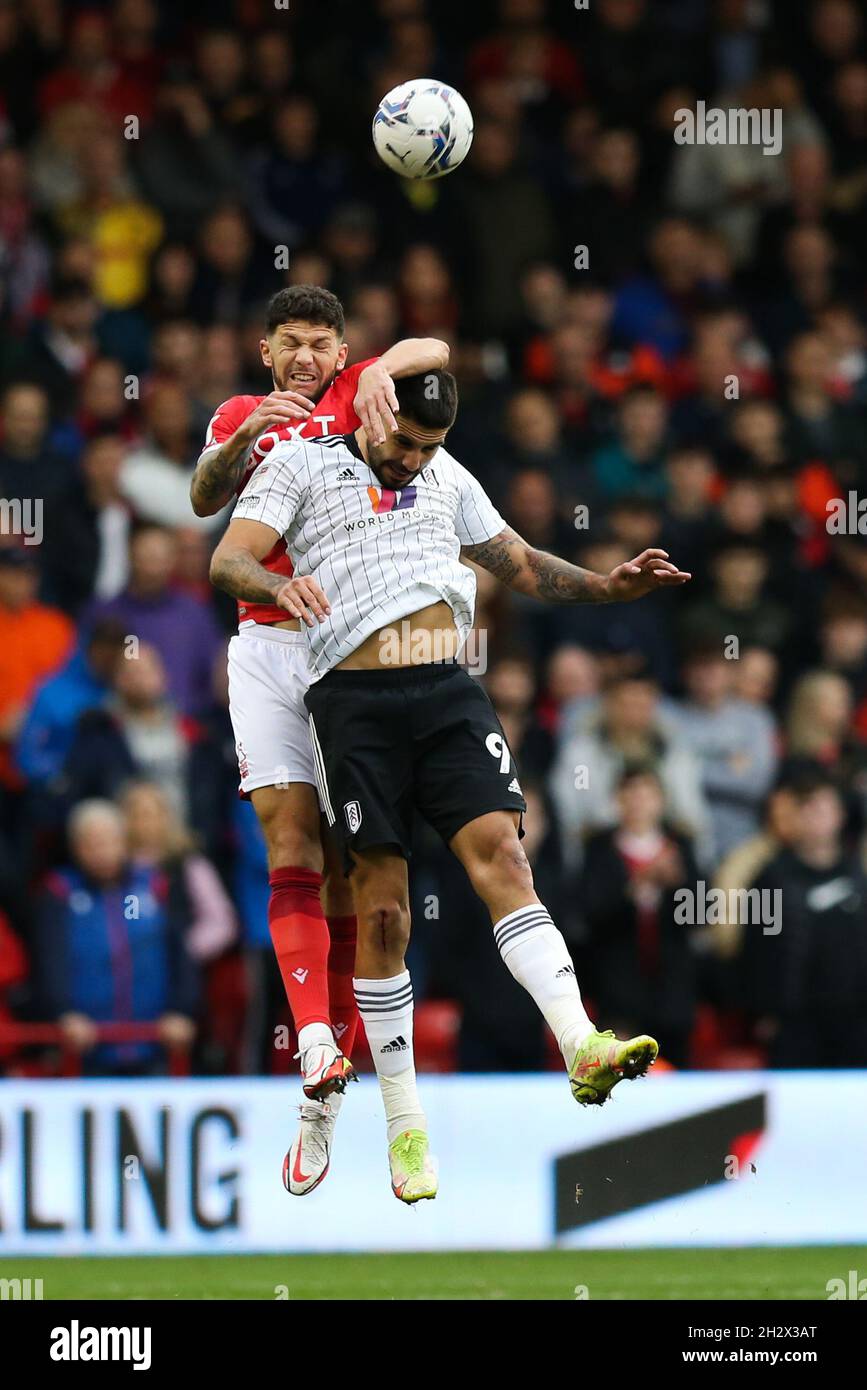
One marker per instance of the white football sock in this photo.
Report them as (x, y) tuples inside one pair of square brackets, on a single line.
[(386, 1010), (537, 956), (314, 1035)]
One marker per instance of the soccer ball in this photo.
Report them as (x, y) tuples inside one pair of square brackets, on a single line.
[(423, 129)]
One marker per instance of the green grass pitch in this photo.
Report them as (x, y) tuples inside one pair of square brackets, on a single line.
[(763, 1273)]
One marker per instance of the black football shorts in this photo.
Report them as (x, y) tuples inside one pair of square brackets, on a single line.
[(425, 738)]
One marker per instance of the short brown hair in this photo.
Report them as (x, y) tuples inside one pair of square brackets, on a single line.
[(310, 303)]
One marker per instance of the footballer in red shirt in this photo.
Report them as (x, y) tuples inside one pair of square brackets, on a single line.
[(315, 394)]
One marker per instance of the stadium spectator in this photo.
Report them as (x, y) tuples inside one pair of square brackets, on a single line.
[(48, 731), (642, 957), (735, 607), (572, 684), (87, 534), (613, 214), (534, 441), (500, 193), (532, 496), (843, 646), (123, 230), (105, 407), (734, 743), (24, 257), (293, 182), (740, 868), (817, 425), (183, 631), (35, 640), (109, 947), (805, 983), (29, 467), (656, 309), (155, 478), (186, 164), (688, 506), (632, 463), (58, 349), (138, 732), (628, 729), (819, 730), (158, 838), (231, 273)]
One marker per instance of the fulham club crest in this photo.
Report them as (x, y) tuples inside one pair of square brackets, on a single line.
[(352, 812)]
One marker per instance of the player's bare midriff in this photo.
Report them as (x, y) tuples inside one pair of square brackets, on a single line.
[(422, 637)]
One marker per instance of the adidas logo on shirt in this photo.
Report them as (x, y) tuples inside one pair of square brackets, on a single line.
[(348, 475), (564, 970), (515, 786), (398, 1044)]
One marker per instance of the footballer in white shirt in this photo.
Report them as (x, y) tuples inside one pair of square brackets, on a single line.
[(378, 533)]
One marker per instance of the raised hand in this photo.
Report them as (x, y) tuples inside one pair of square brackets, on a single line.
[(649, 571)]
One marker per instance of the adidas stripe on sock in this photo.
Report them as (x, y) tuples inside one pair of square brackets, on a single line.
[(385, 1007), (537, 956)]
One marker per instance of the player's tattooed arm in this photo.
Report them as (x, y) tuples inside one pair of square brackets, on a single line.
[(216, 477), (236, 568), (510, 559), (218, 471), (546, 577)]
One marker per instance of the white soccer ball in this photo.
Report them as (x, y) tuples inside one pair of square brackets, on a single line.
[(423, 129)]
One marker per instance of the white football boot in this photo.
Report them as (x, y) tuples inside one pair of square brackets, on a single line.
[(306, 1163)]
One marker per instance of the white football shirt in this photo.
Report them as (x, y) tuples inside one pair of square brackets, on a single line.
[(378, 554)]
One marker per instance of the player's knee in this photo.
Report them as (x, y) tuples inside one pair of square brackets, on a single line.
[(384, 925), (503, 861)]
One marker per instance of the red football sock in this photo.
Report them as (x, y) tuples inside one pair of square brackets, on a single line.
[(300, 936), (341, 968)]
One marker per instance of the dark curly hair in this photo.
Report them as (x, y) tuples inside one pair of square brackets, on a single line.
[(311, 303)]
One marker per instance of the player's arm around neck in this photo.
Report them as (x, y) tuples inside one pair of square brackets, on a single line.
[(413, 355), (375, 401), (236, 567), (546, 577)]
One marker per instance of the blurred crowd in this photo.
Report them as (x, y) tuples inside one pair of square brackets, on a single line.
[(696, 379)]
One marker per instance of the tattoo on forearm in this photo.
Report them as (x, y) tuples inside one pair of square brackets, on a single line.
[(559, 582), (511, 560), (496, 557), (216, 476), (241, 575)]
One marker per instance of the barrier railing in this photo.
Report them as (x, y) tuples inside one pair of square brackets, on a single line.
[(52, 1035)]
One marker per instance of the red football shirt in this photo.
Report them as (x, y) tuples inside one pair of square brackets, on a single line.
[(333, 414)]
